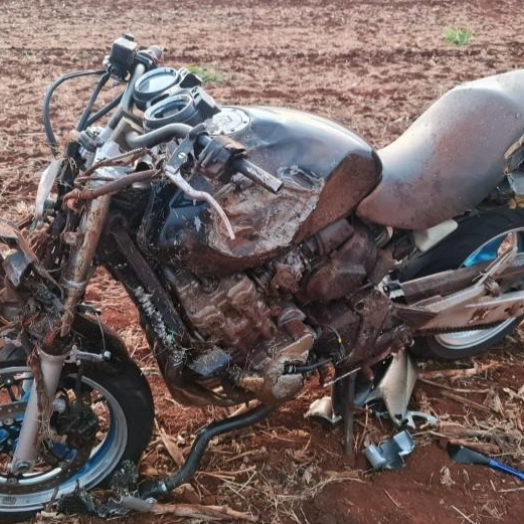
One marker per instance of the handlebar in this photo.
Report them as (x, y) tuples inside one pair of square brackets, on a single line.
[(180, 131), (257, 175), (241, 165), (144, 61)]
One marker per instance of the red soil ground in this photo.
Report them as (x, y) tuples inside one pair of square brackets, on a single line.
[(372, 65)]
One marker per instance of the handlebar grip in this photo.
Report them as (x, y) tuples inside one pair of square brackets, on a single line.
[(257, 175)]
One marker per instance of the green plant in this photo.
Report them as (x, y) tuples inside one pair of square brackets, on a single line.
[(207, 74), (457, 37)]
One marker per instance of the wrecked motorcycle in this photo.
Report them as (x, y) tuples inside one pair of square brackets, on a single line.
[(260, 246)]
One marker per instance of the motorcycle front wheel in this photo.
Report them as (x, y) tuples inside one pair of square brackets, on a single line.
[(476, 240), (102, 416)]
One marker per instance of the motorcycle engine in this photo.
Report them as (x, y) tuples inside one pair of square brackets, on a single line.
[(256, 320), (252, 302)]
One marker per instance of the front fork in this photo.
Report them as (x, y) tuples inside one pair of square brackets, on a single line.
[(51, 367), (75, 277), (26, 450)]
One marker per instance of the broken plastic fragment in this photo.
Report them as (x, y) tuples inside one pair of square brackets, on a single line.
[(322, 408), (390, 454)]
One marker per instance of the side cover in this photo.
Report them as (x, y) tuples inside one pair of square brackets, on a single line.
[(325, 169)]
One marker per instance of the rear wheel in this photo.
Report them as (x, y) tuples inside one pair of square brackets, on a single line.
[(476, 240), (101, 417)]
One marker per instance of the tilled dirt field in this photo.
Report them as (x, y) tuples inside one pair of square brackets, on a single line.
[(372, 65)]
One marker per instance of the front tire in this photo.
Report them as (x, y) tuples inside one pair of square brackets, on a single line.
[(476, 240), (114, 394)]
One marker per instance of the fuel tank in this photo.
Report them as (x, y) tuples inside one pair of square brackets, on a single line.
[(326, 171)]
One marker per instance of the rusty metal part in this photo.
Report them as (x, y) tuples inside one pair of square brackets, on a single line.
[(35, 426), (115, 186), (124, 159), (229, 311), (346, 269), (412, 315), (165, 330), (367, 329), (329, 238), (298, 351), (74, 276), (222, 156), (257, 175), (338, 326), (479, 303), (360, 173), (385, 262), (478, 311), (374, 310), (447, 282), (505, 257), (492, 287), (271, 384), (260, 338), (214, 159), (13, 237), (180, 356), (264, 224), (287, 272), (441, 283), (152, 287), (441, 331), (20, 255)]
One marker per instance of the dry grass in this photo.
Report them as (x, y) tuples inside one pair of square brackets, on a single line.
[(239, 475), (493, 421)]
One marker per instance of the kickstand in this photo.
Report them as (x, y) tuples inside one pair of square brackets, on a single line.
[(344, 404)]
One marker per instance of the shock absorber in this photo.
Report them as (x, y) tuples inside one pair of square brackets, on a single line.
[(27, 447)]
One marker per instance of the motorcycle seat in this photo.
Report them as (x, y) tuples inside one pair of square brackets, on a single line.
[(451, 157)]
